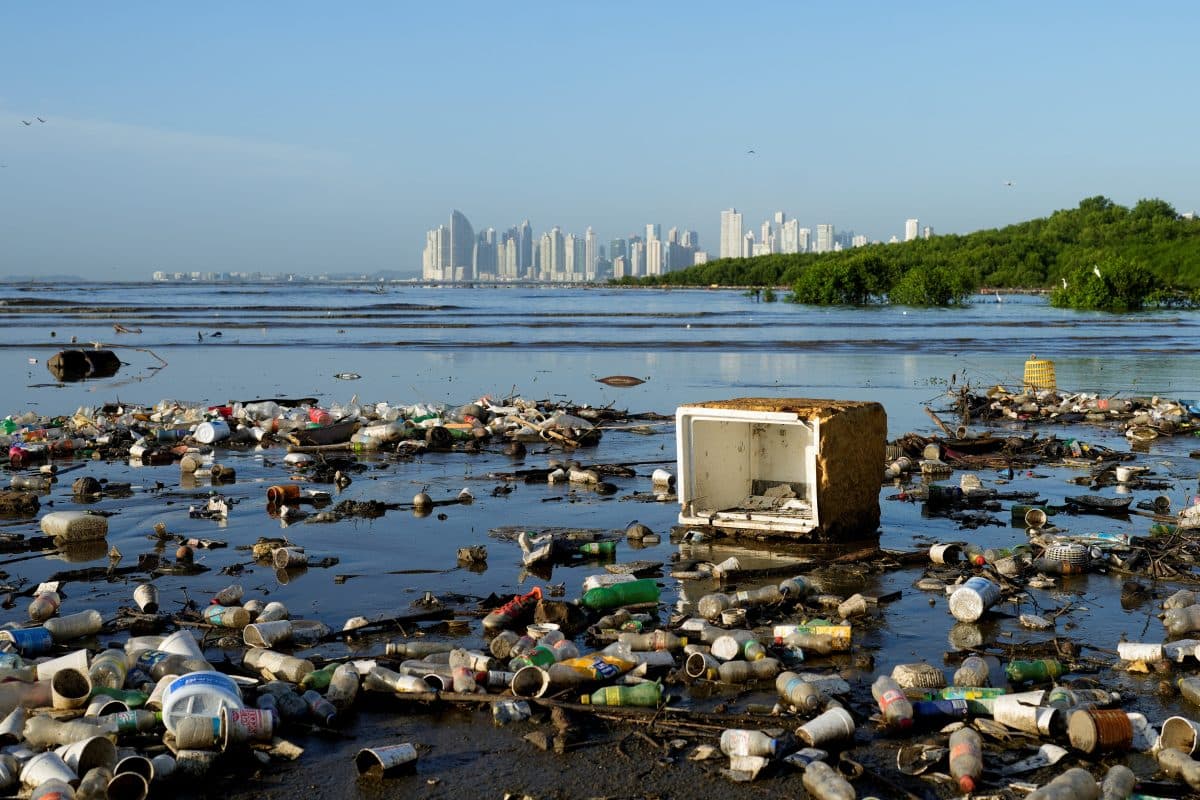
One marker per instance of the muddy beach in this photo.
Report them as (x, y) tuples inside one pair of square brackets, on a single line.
[(388, 558)]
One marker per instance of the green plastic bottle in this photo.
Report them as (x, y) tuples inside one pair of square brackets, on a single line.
[(1040, 671), (130, 697), (598, 548), (622, 594), (318, 679), (647, 695)]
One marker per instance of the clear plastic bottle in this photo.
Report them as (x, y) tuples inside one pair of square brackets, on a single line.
[(31, 483), (108, 669), (966, 758), (799, 692), (1119, 783), (1074, 784), (655, 640), (818, 643), (822, 782), (1190, 689), (739, 742), (1178, 764), (711, 605), (796, 589), (1179, 621), (74, 626), (747, 671), (973, 671), (897, 710), (53, 789), (319, 708), (343, 687)]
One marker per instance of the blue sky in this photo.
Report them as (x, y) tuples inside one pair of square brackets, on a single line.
[(328, 137)]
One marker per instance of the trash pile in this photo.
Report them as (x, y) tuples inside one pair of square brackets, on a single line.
[(771, 675)]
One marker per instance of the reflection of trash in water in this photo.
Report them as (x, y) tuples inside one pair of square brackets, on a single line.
[(78, 365)]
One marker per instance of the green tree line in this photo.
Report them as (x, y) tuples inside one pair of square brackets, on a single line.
[(1100, 255)]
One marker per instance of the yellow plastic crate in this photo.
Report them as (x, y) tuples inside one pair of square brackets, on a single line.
[(1039, 374)]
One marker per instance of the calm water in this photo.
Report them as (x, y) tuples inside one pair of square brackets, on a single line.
[(453, 345)]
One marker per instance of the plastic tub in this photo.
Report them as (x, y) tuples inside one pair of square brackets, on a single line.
[(199, 694), (209, 432)]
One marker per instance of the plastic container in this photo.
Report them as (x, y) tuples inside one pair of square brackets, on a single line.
[(647, 695), (1039, 374), (799, 692), (972, 598), (108, 669), (1039, 671), (746, 671), (227, 616), (1119, 783), (822, 782), (288, 668), (209, 432), (973, 671), (267, 634), (1074, 784), (644, 590), (74, 626), (44, 606), (1179, 621), (199, 694), (74, 526), (738, 742)]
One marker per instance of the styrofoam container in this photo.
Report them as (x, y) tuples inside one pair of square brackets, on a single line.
[(199, 694)]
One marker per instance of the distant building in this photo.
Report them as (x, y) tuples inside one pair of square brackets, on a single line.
[(731, 234), (910, 229), (700, 257), (859, 241), (789, 235), (824, 238), (637, 259), (893, 240), (748, 245), (927, 232), (589, 254), (654, 257), (804, 240)]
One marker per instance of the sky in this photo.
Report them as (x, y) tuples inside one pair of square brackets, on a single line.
[(320, 137)]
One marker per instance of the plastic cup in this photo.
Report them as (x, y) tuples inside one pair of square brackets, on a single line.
[(267, 634), (833, 725), (46, 767), (70, 688), (945, 553), (182, 643), (1180, 733), (146, 597), (77, 660), (98, 751), (128, 786), (385, 759), (273, 611), (240, 725), (289, 557), (197, 733), (139, 765), (12, 729), (103, 705)]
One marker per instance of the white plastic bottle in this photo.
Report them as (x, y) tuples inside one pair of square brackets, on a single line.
[(739, 742)]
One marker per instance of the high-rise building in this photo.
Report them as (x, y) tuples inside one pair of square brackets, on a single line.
[(558, 258), (545, 258), (618, 248), (462, 246), (700, 257), (673, 236), (654, 257), (780, 219), (637, 259), (927, 233), (910, 229), (572, 256), (789, 235), (859, 241), (525, 247), (690, 239), (653, 231), (766, 238), (805, 240), (731, 234), (590, 258), (748, 244), (620, 267), (824, 238)]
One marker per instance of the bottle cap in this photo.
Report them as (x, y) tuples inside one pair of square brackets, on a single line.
[(585, 700), (966, 784)]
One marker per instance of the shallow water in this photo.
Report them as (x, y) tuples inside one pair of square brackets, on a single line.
[(444, 345)]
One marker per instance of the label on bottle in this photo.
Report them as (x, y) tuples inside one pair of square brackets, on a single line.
[(962, 749), (889, 697)]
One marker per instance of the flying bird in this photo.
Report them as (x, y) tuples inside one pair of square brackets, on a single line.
[(1008, 183), (748, 152), (39, 119), (26, 122)]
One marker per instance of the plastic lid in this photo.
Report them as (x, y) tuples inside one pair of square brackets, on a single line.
[(585, 700), (966, 783)]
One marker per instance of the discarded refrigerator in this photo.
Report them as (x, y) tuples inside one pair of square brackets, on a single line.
[(786, 467)]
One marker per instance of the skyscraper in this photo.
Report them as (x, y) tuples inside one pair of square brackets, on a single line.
[(731, 234), (911, 229), (789, 236), (767, 239), (618, 248), (747, 244), (927, 233), (654, 256), (462, 246), (824, 238), (558, 259), (524, 247), (637, 259), (653, 231), (805, 240), (589, 253)]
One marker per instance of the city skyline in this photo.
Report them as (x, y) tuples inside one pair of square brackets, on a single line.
[(236, 137)]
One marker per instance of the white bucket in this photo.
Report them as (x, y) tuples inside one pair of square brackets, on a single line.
[(833, 725), (198, 694), (209, 432)]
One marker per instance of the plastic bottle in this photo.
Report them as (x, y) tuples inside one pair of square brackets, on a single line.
[(973, 671), (758, 597), (799, 692), (897, 711), (1190, 689), (972, 598), (647, 695), (739, 742), (1182, 620), (1181, 599), (158, 663), (1040, 671), (53, 789), (655, 640), (286, 704), (130, 722), (796, 589), (598, 548), (966, 758), (74, 626), (227, 616), (230, 595), (44, 606), (940, 712), (1175, 763), (822, 782), (738, 644), (381, 679), (1119, 783), (1074, 784), (319, 678), (644, 590), (108, 669), (319, 708), (810, 643), (513, 611), (343, 687), (711, 605), (31, 483), (746, 671)]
